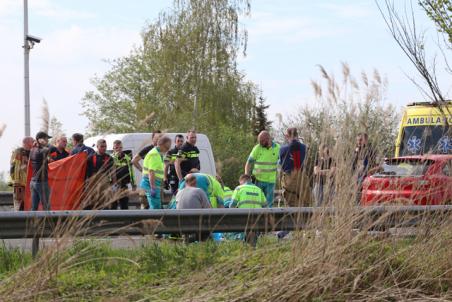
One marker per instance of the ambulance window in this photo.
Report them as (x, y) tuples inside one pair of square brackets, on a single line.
[(423, 139)]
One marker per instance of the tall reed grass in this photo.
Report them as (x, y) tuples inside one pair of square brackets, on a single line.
[(336, 258)]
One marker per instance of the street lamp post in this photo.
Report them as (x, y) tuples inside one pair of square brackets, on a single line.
[(27, 48), (29, 42)]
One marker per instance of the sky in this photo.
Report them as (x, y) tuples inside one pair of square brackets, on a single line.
[(287, 40)]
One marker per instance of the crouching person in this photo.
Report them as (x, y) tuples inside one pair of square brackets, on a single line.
[(191, 197), (248, 196)]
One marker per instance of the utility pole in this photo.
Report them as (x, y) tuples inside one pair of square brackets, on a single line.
[(29, 42), (27, 48)]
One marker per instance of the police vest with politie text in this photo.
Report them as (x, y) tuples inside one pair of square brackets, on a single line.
[(190, 158), (124, 169)]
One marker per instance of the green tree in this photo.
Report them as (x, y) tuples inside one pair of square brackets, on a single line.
[(183, 75), (440, 11), (260, 119)]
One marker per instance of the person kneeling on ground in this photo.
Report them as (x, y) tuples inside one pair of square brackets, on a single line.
[(248, 196), (191, 197)]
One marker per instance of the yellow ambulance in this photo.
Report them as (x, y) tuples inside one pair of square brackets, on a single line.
[(425, 128)]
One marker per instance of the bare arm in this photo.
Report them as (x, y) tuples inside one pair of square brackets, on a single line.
[(136, 162), (166, 170), (248, 168), (178, 169), (152, 179)]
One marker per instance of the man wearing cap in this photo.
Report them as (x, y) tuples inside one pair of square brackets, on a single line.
[(39, 160)]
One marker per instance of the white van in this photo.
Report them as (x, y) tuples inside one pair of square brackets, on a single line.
[(132, 144)]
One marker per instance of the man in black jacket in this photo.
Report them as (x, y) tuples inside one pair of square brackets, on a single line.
[(100, 175), (39, 185)]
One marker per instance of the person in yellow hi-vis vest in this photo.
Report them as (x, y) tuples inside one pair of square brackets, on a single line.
[(263, 164), (18, 172), (247, 195), (153, 169)]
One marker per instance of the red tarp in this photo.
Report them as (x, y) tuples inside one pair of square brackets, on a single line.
[(66, 180)]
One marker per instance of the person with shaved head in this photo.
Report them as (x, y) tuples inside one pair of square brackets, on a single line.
[(262, 163)]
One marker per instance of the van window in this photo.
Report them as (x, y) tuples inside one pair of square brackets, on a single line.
[(421, 140)]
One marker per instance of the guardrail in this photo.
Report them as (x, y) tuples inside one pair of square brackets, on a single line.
[(138, 222), (41, 224), (6, 198)]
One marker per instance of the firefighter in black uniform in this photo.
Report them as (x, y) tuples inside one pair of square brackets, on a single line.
[(99, 177)]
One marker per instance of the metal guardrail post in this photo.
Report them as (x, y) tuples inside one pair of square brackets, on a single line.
[(35, 247), (42, 224)]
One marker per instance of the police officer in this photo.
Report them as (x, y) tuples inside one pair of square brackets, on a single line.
[(262, 163), (170, 170), (188, 157), (124, 175), (153, 169), (18, 172)]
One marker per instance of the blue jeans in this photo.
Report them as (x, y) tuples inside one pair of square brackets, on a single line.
[(155, 203), (269, 191), (40, 191)]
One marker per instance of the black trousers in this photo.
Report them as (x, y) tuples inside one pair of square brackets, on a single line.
[(123, 203)]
